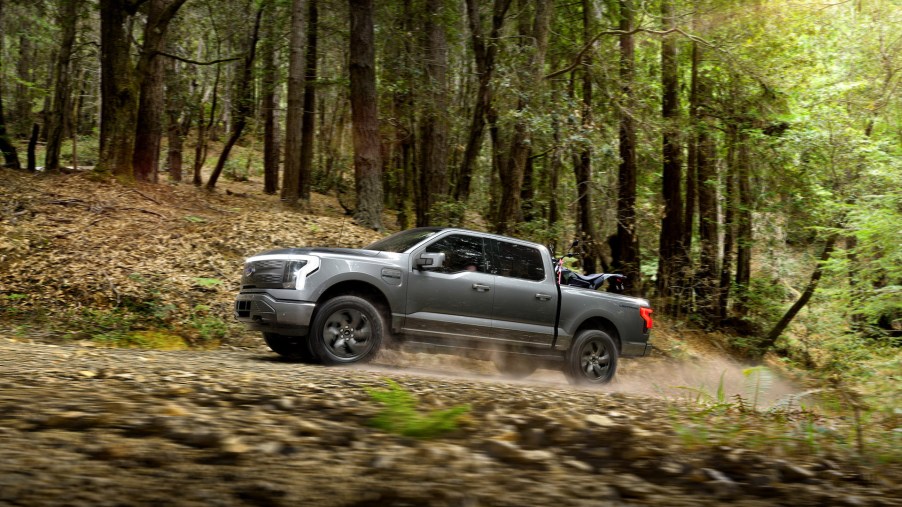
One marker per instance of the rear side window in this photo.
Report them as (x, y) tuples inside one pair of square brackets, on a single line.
[(462, 253), (518, 261)]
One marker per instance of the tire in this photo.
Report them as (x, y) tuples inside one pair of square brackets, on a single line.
[(513, 366), (592, 359), (346, 330), (296, 348)]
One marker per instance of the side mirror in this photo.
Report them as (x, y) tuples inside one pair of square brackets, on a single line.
[(430, 261)]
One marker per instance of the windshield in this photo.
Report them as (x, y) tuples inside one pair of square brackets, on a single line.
[(403, 241)]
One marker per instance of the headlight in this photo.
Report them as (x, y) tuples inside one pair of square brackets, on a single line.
[(297, 270)]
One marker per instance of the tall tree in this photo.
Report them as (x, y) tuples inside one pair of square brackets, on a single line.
[(512, 170), (291, 177), (151, 74), (10, 156), (269, 53), (626, 259), (671, 253), (62, 104), (244, 93), (706, 279), (364, 114), (119, 88), (485, 49), (308, 127), (434, 123), (582, 165)]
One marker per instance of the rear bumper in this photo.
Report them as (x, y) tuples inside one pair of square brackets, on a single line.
[(262, 312)]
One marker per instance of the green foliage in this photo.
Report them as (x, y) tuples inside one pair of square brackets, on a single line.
[(400, 415)]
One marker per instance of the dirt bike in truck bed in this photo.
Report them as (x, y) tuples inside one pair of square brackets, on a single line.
[(454, 290)]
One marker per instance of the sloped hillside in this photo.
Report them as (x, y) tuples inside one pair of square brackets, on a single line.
[(170, 251)]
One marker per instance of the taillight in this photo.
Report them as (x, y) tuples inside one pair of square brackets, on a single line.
[(645, 312)]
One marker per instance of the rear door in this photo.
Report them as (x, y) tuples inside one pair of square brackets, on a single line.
[(454, 301), (525, 303)]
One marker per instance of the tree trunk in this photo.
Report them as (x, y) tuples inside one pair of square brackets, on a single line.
[(627, 258), (365, 117), (484, 51), (706, 281), (744, 231), (10, 156), (671, 254), (245, 101), (151, 75), (61, 108), (729, 226), (268, 98), (511, 172), (119, 90), (294, 117), (590, 244), (308, 119), (434, 122), (781, 326)]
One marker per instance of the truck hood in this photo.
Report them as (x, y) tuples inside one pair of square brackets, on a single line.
[(322, 251)]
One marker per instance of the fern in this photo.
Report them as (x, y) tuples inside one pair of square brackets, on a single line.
[(758, 380), (400, 415)]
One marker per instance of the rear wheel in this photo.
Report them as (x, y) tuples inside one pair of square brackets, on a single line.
[(296, 348), (592, 359), (346, 330)]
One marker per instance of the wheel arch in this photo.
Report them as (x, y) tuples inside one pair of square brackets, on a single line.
[(602, 324), (361, 289)]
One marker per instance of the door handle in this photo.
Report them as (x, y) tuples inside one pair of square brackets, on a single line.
[(480, 287), (543, 297)]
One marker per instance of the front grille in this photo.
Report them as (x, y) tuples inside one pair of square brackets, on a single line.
[(266, 274)]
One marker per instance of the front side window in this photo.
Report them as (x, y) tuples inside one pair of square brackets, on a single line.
[(462, 253), (519, 261)]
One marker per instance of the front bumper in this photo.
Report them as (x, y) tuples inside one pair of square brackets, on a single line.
[(262, 312)]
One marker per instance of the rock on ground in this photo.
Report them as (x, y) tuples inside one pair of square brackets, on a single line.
[(88, 426)]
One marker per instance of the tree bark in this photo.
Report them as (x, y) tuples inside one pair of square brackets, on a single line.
[(729, 226), (60, 112), (512, 170), (291, 177), (271, 153), (790, 314), (706, 280), (245, 100), (10, 156), (364, 116), (671, 253), (484, 51), (744, 239), (119, 90), (308, 125), (434, 122), (590, 244), (151, 77), (627, 257)]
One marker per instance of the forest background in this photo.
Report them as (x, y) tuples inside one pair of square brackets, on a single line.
[(738, 160)]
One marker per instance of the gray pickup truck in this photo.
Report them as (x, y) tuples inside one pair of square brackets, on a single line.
[(451, 290)]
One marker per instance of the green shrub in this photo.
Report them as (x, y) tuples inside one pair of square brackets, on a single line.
[(400, 415)]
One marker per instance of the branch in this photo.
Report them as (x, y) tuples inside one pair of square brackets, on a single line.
[(195, 62), (582, 52)]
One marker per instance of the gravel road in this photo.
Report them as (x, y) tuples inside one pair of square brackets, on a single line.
[(89, 426)]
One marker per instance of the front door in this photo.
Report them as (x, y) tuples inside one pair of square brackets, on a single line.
[(454, 301)]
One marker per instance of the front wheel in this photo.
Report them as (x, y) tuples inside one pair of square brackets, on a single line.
[(592, 359), (346, 330)]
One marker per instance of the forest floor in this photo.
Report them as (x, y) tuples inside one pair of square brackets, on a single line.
[(79, 260)]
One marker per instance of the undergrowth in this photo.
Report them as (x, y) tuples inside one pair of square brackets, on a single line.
[(831, 419), (400, 414)]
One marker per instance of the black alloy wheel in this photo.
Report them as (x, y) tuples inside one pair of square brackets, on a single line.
[(347, 330), (592, 359)]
